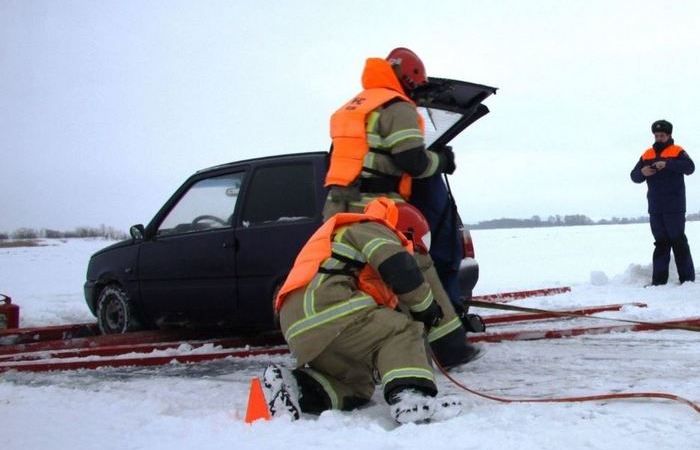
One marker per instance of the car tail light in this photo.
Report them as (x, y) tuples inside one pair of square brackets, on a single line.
[(467, 243)]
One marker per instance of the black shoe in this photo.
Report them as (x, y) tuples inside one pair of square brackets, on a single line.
[(453, 350), (472, 353), (473, 323)]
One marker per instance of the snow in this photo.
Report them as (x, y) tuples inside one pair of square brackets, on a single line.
[(182, 406)]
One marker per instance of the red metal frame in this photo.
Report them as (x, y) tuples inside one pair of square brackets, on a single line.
[(154, 360), (528, 335), (97, 348), (557, 314), (79, 346), (37, 334), (139, 337), (112, 360), (517, 295)]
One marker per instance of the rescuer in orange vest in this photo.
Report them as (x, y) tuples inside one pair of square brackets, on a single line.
[(378, 145), (662, 167), (379, 149), (338, 313)]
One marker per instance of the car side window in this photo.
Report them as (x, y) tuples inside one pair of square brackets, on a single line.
[(208, 204), (280, 193)]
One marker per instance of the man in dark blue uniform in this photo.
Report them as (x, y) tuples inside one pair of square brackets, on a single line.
[(431, 197), (434, 200), (663, 166)]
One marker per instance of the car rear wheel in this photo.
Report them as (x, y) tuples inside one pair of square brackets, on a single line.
[(115, 311)]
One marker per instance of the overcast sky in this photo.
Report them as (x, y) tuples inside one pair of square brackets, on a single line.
[(108, 106)]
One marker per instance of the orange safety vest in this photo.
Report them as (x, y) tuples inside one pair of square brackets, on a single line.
[(349, 125), (672, 151), (318, 248)]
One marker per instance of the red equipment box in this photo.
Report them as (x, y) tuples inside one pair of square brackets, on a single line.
[(9, 313)]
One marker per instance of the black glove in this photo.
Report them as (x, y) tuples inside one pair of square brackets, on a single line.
[(447, 160), (430, 317)]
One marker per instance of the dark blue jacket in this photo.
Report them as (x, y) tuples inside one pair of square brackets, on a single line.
[(666, 188), (431, 197)]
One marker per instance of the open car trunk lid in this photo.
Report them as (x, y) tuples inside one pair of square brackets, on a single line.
[(448, 107)]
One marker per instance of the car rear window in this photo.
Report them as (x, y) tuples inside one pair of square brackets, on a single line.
[(279, 194)]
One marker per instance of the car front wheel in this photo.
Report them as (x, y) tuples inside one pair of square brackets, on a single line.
[(115, 312)]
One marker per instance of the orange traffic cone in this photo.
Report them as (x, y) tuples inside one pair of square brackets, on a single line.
[(257, 405)]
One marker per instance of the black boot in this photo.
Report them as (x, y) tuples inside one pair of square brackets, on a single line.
[(684, 260), (453, 349), (314, 399), (472, 323)]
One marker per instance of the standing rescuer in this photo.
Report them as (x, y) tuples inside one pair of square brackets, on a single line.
[(338, 312), (663, 166), (378, 149), (378, 145)]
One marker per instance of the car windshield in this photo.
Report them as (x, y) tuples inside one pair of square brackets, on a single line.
[(208, 204)]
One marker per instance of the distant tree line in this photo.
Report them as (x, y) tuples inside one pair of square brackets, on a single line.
[(562, 221), (533, 222), (80, 232)]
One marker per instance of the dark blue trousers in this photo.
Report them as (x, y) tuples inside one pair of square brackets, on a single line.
[(669, 234), (431, 197)]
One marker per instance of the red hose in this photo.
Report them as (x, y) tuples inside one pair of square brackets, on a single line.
[(587, 398)]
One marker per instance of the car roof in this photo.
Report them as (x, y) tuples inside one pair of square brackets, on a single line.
[(282, 157)]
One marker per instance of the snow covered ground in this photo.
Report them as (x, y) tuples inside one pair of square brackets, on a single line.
[(202, 406)]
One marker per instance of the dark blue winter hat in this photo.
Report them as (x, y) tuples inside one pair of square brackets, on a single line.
[(662, 126)]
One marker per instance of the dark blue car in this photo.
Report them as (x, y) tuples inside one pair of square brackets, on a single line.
[(220, 247)]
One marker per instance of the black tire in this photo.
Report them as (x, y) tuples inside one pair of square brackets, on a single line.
[(115, 311)]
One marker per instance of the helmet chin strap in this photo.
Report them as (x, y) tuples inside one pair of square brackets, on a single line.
[(407, 84)]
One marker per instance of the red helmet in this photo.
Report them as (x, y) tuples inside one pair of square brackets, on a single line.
[(414, 226), (412, 68)]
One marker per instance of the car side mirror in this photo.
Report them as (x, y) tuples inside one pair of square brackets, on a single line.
[(137, 232)]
